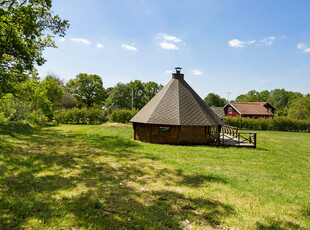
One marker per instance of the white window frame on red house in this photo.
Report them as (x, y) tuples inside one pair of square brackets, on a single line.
[(229, 110)]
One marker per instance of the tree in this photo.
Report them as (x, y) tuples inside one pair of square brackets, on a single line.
[(214, 100), (151, 89), (68, 101), (250, 96), (33, 91), (240, 98), (300, 109), (137, 94), (54, 91), (27, 28), (87, 89), (263, 96), (120, 98)]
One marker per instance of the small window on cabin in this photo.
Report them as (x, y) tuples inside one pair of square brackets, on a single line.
[(163, 130), (229, 110), (213, 130), (270, 110)]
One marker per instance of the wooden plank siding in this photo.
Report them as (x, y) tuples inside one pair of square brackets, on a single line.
[(193, 135), (179, 135), (233, 114)]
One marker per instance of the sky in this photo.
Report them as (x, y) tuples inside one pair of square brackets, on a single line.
[(224, 47)]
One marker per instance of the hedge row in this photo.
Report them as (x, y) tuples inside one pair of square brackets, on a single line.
[(122, 115), (81, 116), (275, 124), (93, 116)]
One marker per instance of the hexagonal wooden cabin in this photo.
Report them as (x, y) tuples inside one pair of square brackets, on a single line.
[(177, 116)]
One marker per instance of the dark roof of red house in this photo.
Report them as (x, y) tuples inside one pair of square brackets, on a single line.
[(251, 108)]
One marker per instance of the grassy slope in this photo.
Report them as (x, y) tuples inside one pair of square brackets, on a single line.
[(96, 176)]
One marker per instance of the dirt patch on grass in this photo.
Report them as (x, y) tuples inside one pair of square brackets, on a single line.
[(117, 125)]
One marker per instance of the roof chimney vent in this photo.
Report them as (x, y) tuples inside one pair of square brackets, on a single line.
[(178, 74)]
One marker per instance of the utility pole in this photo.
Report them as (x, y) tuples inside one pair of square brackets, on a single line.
[(131, 98), (228, 96)]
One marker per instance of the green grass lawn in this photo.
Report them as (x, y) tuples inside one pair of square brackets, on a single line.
[(97, 177)]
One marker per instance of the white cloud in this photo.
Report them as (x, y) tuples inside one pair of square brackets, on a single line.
[(169, 37), (99, 45), (236, 43), (129, 47), (168, 71), (266, 80), (197, 72), (62, 39), (268, 41), (168, 46), (301, 45), (304, 47), (168, 42), (82, 40), (306, 50)]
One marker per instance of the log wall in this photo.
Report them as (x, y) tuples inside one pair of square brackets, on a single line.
[(179, 135)]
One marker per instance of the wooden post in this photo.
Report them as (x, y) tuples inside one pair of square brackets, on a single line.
[(254, 140), (238, 138)]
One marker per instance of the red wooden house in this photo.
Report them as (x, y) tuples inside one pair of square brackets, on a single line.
[(249, 109)]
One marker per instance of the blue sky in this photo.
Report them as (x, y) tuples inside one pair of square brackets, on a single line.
[(222, 46)]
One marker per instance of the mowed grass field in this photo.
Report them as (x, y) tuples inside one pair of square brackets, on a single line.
[(97, 177)]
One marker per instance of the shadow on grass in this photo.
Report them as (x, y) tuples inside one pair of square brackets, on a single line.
[(13, 128), (58, 179), (278, 225)]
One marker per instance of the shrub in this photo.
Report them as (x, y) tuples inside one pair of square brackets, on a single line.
[(81, 116), (122, 115), (275, 124), (13, 109), (37, 118)]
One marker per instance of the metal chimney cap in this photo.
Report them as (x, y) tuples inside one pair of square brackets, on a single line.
[(178, 69), (178, 75)]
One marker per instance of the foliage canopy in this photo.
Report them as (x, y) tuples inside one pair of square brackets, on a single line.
[(87, 89), (27, 28)]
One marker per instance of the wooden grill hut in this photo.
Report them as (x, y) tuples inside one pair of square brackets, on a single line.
[(177, 116)]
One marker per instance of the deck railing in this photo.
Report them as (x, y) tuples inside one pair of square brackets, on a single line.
[(230, 130), (230, 134)]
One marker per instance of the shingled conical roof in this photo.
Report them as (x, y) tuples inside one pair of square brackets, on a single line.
[(177, 104)]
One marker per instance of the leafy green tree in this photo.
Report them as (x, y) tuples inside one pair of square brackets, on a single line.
[(240, 98), (87, 89), (263, 96), (137, 94), (27, 28), (151, 89), (68, 101), (120, 98), (54, 91), (33, 91), (214, 100), (250, 96), (300, 109)]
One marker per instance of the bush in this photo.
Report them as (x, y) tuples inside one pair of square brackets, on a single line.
[(37, 118), (81, 116), (275, 124), (13, 109), (122, 115)]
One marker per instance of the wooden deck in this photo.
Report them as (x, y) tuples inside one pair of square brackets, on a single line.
[(228, 140), (230, 136)]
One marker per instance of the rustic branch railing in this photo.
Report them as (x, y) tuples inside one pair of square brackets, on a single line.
[(230, 130), (247, 138), (230, 136)]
